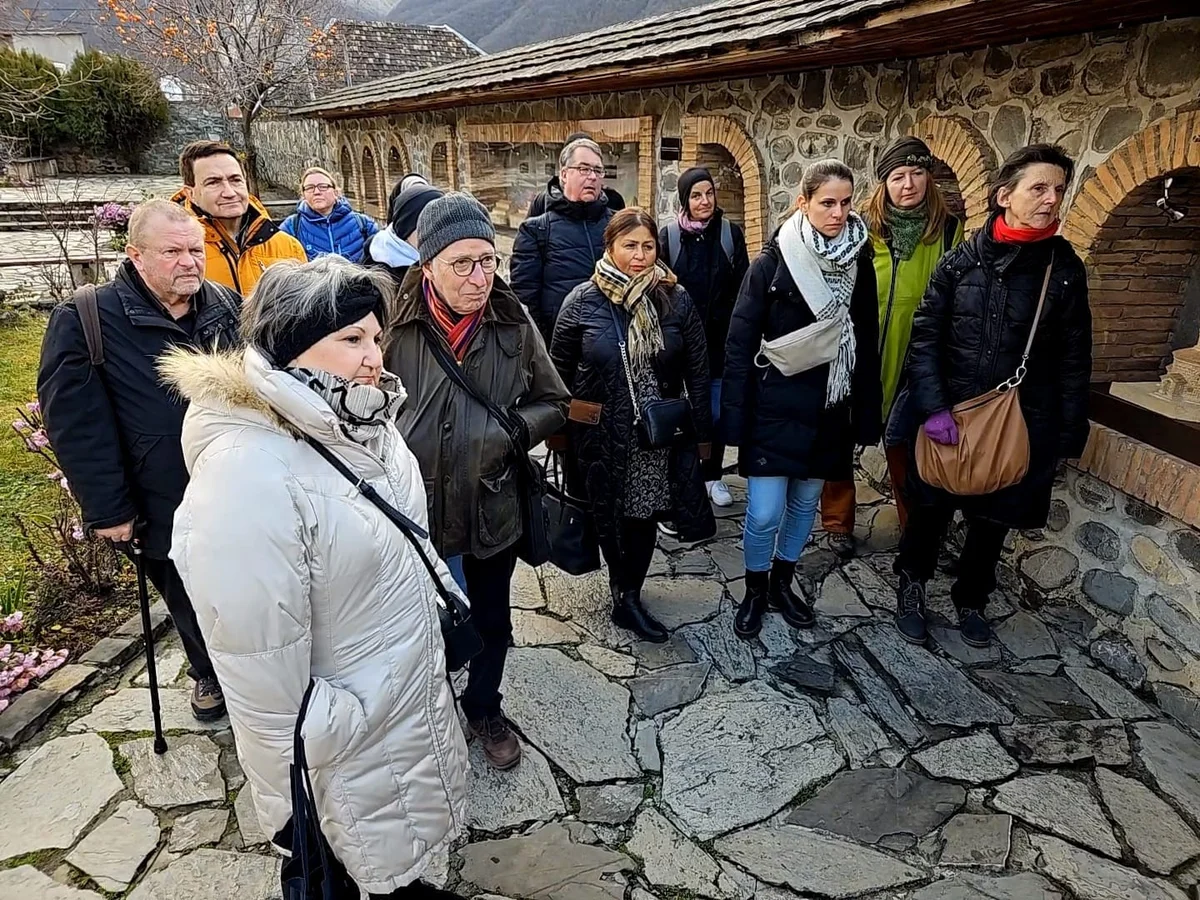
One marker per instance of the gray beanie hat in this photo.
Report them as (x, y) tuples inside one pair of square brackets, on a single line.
[(452, 217)]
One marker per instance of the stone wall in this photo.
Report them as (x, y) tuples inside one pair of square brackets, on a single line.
[(188, 122), (288, 146)]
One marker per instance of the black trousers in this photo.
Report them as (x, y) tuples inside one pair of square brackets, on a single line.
[(922, 540), (488, 590), (629, 552), (418, 890), (165, 578)]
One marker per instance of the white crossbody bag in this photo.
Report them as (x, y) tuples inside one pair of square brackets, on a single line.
[(803, 349)]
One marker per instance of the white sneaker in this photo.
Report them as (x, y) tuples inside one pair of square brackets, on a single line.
[(719, 493)]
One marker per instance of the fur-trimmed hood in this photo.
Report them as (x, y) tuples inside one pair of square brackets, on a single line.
[(240, 389)]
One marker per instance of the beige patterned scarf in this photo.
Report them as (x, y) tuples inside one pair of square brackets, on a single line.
[(635, 294)]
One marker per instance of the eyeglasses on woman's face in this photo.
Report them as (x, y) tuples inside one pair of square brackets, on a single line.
[(463, 266), (320, 188)]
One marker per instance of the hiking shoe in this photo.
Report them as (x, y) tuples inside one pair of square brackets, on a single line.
[(975, 630), (910, 609), (842, 543), (500, 745), (208, 702), (718, 493), (666, 529), (747, 621)]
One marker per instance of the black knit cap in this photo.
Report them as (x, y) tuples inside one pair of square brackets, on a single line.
[(355, 302), (690, 179), (908, 151), (408, 205)]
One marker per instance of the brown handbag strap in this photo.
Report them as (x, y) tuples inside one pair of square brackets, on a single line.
[(1022, 369)]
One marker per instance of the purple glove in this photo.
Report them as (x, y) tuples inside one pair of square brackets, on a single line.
[(941, 428)]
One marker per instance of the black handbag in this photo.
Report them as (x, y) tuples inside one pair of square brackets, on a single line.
[(534, 544), (312, 872), (459, 634), (574, 547), (659, 424)]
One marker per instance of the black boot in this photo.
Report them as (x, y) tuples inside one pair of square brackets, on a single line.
[(796, 611), (629, 613), (974, 627), (747, 622), (910, 609)]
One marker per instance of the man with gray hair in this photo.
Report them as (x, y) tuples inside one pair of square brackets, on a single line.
[(114, 426), (558, 250)]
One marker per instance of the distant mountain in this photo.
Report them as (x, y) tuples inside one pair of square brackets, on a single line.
[(500, 24)]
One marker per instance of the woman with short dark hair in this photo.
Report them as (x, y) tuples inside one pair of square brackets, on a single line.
[(801, 382), (969, 335), (627, 338)]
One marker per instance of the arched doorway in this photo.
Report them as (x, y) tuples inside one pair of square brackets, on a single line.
[(963, 167), (397, 164), (720, 141), (372, 195), (439, 165), (731, 188), (1141, 241), (349, 179)]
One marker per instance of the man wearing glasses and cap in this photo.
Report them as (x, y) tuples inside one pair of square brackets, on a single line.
[(558, 250)]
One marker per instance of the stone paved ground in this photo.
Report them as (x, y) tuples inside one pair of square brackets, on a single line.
[(837, 762)]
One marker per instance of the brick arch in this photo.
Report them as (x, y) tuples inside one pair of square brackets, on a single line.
[(727, 133), (1139, 264), (966, 153), (397, 161), (348, 171)]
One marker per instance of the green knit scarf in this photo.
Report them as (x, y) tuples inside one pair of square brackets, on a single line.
[(906, 227)]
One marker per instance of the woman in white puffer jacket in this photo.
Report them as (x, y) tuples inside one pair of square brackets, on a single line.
[(295, 575)]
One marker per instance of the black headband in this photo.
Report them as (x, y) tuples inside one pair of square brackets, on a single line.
[(909, 151), (355, 302)]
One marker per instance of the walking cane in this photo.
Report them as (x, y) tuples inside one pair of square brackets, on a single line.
[(139, 563)]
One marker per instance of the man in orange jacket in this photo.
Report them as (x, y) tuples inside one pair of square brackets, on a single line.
[(240, 240)]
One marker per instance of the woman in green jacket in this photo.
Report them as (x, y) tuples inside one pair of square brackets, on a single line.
[(911, 228)]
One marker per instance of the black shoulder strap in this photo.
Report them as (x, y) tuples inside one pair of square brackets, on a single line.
[(88, 306), (411, 530), (454, 372), (948, 231)]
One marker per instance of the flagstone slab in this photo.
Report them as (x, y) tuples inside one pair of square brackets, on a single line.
[(938, 691), (114, 851), (855, 730), (976, 841), (498, 800), (610, 662), (1159, 838), (717, 641), (670, 859), (27, 883), (204, 826), (246, 813), (878, 694), (815, 863), (129, 710), (545, 865), (1037, 696), (52, 797), (1025, 636), (611, 804), (1108, 694), (1103, 741), (682, 601), (1094, 878), (1059, 805), (1173, 760), (663, 689), (737, 757), (187, 774), (209, 874), (975, 758), (1025, 886), (570, 712)]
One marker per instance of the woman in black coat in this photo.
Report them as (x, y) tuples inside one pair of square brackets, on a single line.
[(633, 298), (969, 334), (794, 431)]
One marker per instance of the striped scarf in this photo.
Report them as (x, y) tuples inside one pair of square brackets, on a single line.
[(458, 329), (633, 293)]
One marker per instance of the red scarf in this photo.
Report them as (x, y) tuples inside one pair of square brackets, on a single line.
[(1007, 234), (458, 329)]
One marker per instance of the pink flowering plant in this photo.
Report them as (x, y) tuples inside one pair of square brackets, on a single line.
[(78, 585), (115, 217)]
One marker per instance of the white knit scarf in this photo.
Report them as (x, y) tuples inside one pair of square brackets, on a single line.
[(825, 270)]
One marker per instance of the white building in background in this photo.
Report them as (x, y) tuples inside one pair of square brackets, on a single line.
[(60, 47)]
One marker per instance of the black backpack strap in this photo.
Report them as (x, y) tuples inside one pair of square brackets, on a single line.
[(948, 231), (88, 306)]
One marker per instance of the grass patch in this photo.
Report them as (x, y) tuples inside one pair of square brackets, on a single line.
[(24, 487), (39, 859)]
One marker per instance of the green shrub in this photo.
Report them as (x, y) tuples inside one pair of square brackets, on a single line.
[(31, 108), (112, 104)]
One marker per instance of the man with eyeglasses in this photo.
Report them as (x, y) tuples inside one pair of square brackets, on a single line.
[(324, 222), (557, 251), (538, 206), (240, 240), (456, 317)]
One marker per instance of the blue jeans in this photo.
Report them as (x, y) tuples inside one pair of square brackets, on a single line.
[(454, 563), (779, 518)]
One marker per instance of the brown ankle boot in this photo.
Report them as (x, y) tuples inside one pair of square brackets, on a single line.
[(500, 745)]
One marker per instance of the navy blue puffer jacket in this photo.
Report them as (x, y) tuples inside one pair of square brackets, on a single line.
[(343, 231)]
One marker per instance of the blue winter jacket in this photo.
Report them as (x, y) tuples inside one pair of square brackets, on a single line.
[(343, 231)]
